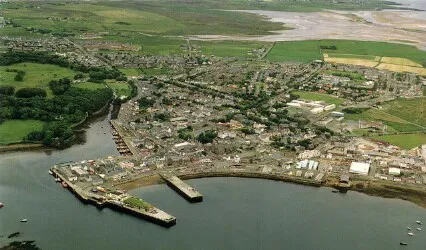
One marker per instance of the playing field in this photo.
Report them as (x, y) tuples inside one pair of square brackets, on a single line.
[(12, 131), (405, 141)]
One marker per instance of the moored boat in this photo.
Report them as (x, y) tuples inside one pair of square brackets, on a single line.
[(409, 228), (419, 222), (403, 243), (24, 220), (64, 184), (1, 205), (411, 234), (418, 229)]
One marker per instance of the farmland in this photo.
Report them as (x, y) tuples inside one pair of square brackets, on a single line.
[(305, 51)]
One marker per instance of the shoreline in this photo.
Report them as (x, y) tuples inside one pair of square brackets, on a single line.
[(376, 188)]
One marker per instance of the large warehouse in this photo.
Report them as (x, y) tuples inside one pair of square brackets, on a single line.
[(359, 168)]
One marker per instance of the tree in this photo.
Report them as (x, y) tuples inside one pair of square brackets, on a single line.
[(59, 87), (207, 136)]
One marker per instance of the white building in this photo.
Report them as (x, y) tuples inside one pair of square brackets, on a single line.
[(359, 168), (394, 171)]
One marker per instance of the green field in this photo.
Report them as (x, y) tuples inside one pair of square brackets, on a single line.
[(37, 75), (306, 51), (319, 97), (89, 85), (12, 131), (120, 88), (405, 141)]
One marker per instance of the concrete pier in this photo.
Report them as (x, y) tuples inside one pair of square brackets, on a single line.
[(151, 214), (182, 188)]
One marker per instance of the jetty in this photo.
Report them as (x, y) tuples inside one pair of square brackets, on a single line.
[(188, 192), (120, 202)]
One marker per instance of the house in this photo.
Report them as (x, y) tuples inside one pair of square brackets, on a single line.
[(361, 168)]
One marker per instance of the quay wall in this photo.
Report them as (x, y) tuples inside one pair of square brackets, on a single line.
[(256, 175), (182, 193)]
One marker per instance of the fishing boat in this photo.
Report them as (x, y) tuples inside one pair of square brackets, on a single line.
[(418, 229), (24, 220), (411, 234), (403, 243), (419, 222)]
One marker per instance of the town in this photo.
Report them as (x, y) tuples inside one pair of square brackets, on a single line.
[(211, 116)]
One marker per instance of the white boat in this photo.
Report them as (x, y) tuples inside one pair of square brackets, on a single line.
[(419, 222), (1, 205), (418, 229), (24, 220), (50, 172), (409, 228), (411, 234)]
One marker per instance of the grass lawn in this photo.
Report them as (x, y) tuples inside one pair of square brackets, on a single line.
[(121, 88), (89, 85), (405, 141), (15, 130), (131, 71), (320, 97), (36, 75), (306, 51)]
